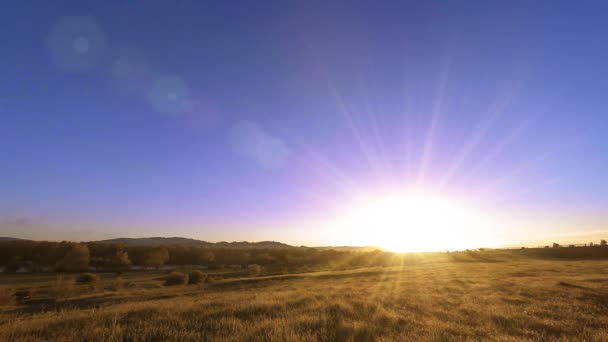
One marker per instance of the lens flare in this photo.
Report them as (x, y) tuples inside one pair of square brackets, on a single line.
[(76, 43)]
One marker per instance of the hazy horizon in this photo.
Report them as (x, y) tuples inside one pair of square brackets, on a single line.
[(564, 239)]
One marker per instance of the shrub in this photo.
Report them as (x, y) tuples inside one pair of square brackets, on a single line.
[(196, 277), (87, 279), (22, 296), (176, 278), (255, 270)]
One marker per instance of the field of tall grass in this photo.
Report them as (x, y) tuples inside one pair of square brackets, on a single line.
[(521, 300)]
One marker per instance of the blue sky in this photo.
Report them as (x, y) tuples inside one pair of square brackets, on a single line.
[(256, 120)]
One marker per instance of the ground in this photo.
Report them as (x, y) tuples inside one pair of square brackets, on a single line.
[(436, 301)]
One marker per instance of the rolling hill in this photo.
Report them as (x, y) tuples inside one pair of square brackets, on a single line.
[(158, 241)]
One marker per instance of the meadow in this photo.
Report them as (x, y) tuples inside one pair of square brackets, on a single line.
[(516, 299)]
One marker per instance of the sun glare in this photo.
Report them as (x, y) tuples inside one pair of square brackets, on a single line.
[(411, 222)]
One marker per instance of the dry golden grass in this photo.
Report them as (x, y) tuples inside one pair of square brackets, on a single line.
[(442, 301)]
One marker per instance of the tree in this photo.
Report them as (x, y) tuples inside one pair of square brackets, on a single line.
[(13, 264), (157, 257), (263, 258), (77, 259), (207, 258), (120, 260), (603, 243), (555, 245)]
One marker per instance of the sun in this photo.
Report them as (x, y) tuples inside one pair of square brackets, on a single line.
[(410, 222)]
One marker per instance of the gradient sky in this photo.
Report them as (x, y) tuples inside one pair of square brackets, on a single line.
[(256, 120)]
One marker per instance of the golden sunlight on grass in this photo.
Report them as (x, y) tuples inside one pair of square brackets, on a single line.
[(411, 222), (519, 300)]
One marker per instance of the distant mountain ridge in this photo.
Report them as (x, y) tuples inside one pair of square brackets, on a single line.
[(181, 241), (6, 238), (158, 241)]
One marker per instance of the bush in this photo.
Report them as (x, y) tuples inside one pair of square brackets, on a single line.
[(196, 277), (176, 278), (255, 270), (87, 279)]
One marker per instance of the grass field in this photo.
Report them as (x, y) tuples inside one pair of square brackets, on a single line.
[(439, 301)]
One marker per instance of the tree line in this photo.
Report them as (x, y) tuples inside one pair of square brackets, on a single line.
[(35, 256)]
